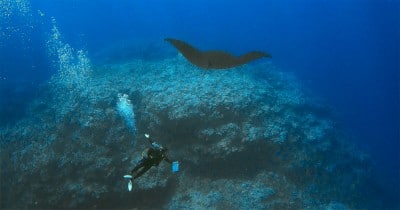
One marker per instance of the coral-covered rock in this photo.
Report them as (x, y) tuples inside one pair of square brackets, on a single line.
[(249, 134)]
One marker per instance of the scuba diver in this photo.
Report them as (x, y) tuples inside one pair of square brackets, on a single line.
[(150, 157)]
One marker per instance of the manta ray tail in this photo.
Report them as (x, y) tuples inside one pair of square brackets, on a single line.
[(253, 55)]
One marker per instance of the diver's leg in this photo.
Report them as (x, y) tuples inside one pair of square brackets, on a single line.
[(137, 167), (142, 171)]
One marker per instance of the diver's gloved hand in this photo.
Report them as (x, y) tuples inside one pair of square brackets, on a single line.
[(130, 182)]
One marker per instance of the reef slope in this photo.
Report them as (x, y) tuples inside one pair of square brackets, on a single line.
[(248, 138)]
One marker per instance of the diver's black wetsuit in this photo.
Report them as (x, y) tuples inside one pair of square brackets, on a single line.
[(154, 156)]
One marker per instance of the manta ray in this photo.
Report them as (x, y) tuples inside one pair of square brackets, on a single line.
[(214, 59)]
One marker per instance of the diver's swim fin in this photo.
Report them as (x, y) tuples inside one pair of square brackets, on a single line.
[(130, 185), (128, 177), (130, 182)]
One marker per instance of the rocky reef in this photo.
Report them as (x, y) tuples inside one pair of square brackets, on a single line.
[(246, 138)]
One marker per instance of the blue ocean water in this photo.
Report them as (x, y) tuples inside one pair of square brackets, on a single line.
[(346, 52)]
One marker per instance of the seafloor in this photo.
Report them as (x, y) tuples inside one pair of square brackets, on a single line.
[(246, 138)]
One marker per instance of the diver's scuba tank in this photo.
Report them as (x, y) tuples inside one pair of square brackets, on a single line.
[(175, 166)]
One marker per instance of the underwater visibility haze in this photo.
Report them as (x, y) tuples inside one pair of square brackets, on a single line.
[(259, 104)]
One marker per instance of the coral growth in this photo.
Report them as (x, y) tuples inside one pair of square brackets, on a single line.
[(243, 141)]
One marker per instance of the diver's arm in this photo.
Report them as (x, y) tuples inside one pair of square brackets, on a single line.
[(152, 143), (148, 138), (167, 159)]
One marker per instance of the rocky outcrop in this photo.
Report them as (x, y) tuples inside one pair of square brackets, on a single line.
[(247, 138)]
